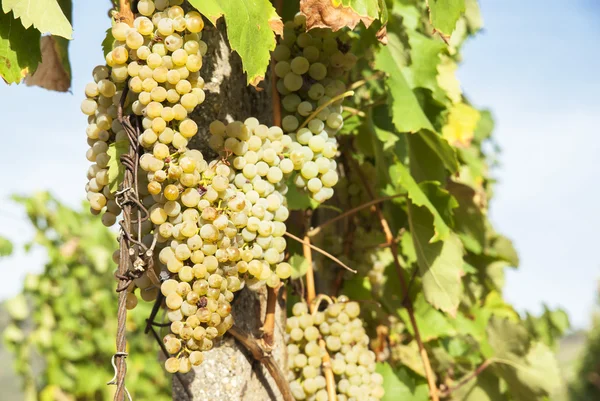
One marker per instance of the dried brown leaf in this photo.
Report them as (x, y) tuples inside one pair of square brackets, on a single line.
[(323, 14), (51, 73), (276, 25), (382, 35)]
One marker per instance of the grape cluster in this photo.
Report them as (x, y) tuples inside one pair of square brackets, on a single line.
[(340, 329), (311, 67), (159, 59), (214, 225)]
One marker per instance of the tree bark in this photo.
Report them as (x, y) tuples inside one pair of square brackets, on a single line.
[(229, 371)]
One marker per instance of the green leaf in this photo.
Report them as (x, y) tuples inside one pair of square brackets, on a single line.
[(364, 8), (419, 196), (503, 248), (470, 221), (530, 370), (485, 387), (45, 15), (6, 247), (425, 165), (107, 43), (398, 385), (425, 58), (408, 247), (409, 356), (299, 266), (507, 338), (473, 15), (17, 307), (298, 199), (19, 49), (440, 263), (432, 323), (445, 14), (440, 147), (251, 29), (116, 170), (407, 114), (485, 126)]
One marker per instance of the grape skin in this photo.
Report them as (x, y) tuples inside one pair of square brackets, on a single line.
[(352, 363), (310, 65)]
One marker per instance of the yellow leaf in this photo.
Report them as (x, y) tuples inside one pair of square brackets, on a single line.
[(461, 125), (447, 80)]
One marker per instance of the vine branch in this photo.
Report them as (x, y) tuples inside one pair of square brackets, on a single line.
[(433, 390), (330, 256), (350, 212), (313, 306), (468, 377), (264, 356), (268, 328), (125, 14)]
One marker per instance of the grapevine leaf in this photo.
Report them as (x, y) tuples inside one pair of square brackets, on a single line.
[(19, 49), (399, 385), (485, 126), (432, 323), (17, 307), (425, 165), (470, 221), (45, 15), (410, 357), (447, 80), (401, 177), (460, 128), (473, 15), (507, 338), (116, 170), (337, 14), (529, 369), (425, 58), (251, 29), (445, 13), (486, 387), (54, 71), (408, 248), (13, 334), (107, 43), (299, 266), (503, 248), (299, 200), (6, 247), (210, 9), (407, 114), (440, 263)]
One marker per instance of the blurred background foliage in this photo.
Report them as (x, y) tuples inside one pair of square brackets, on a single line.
[(57, 332), (59, 329)]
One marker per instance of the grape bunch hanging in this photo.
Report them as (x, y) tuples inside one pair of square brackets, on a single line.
[(216, 224)]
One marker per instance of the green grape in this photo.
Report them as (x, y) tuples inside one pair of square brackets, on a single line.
[(352, 363)]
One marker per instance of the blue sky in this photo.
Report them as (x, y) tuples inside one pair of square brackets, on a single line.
[(534, 66)]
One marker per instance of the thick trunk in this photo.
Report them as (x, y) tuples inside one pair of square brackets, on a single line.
[(229, 372)]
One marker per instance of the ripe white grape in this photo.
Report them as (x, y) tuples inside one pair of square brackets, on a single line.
[(352, 363)]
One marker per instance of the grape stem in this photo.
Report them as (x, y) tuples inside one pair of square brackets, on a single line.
[(350, 212), (487, 363), (264, 356), (269, 324), (324, 105), (360, 83), (125, 14), (306, 242), (433, 390), (313, 307)]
